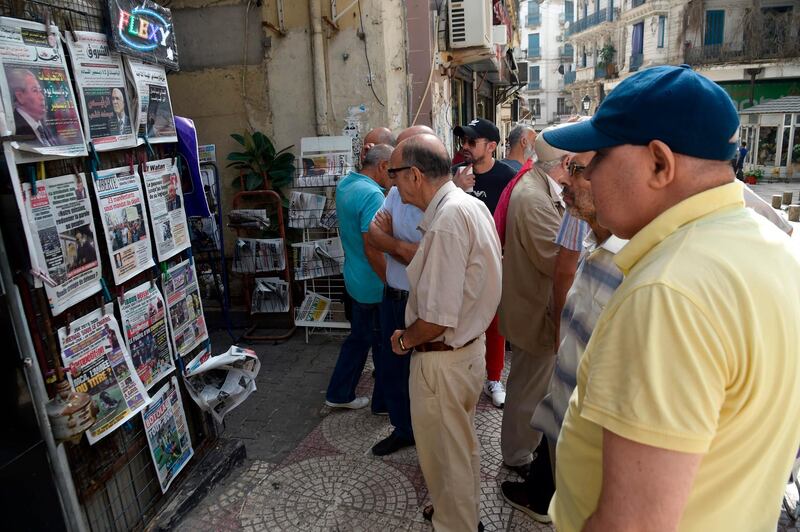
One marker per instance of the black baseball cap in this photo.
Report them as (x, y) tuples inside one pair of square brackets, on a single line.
[(480, 128)]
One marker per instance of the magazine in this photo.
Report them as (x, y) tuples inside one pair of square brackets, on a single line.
[(99, 364)]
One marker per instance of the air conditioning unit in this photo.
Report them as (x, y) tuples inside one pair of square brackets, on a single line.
[(469, 23)]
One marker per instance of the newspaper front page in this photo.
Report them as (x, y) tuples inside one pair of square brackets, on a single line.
[(314, 308), (318, 258), (64, 240), (220, 383), (144, 325), (270, 294), (167, 433), (98, 363), (153, 107), (103, 95), (305, 210), (258, 255), (165, 202), (184, 308), (121, 203), (37, 94)]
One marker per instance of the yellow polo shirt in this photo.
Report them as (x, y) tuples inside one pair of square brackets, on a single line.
[(698, 351)]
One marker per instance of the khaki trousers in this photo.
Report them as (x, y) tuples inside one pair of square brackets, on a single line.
[(528, 379), (445, 387)]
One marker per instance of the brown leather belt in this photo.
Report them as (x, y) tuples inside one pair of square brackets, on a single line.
[(438, 346)]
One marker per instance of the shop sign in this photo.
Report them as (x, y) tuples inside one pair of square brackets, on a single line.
[(143, 29)]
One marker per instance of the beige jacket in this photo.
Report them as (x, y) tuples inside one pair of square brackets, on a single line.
[(534, 216)]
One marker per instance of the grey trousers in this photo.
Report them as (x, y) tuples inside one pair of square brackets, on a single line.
[(527, 384)]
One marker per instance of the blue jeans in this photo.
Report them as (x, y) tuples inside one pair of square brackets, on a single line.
[(364, 334), (392, 376)]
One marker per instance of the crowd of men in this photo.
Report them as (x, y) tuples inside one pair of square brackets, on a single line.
[(653, 318)]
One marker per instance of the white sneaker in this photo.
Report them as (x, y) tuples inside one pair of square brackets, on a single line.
[(355, 404), (496, 392)]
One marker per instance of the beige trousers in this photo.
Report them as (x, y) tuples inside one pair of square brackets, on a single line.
[(527, 384), (445, 387)]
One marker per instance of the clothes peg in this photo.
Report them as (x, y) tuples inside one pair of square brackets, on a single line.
[(32, 179), (106, 293), (150, 151)]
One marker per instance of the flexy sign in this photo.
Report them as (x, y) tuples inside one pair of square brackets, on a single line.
[(143, 29)]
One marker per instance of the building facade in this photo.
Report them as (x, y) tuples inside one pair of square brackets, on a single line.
[(550, 61)]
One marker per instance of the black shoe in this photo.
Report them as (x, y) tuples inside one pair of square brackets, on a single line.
[(516, 494), (390, 444), (521, 470), (480, 526)]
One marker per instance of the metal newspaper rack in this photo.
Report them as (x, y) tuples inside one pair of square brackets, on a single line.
[(262, 263)]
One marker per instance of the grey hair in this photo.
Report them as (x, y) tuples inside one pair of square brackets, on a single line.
[(433, 163), (549, 165), (16, 79), (376, 155), (516, 134)]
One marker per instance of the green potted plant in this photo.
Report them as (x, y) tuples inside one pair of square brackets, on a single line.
[(752, 175), (605, 58), (260, 166)]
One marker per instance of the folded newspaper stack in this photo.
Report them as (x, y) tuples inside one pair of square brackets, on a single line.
[(220, 383)]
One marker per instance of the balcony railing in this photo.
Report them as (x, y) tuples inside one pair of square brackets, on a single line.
[(534, 20), (737, 52), (636, 62), (636, 3), (569, 77), (534, 53), (598, 17), (534, 84)]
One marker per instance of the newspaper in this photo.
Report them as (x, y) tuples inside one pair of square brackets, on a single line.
[(152, 104), (318, 258), (165, 202), (204, 233), (144, 326), (121, 203), (259, 255), (99, 364), (37, 94), (219, 383), (314, 308), (324, 160), (271, 294), (64, 239), (255, 218), (305, 210), (167, 433), (105, 102), (184, 308)]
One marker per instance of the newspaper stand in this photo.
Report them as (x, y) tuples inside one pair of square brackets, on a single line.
[(270, 201), (330, 286)]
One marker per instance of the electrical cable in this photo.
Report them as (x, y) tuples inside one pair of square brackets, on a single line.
[(366, 55), (425, 94)]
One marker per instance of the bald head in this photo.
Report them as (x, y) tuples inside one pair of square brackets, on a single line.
[(428, 154), (414, 130), (379, 135)]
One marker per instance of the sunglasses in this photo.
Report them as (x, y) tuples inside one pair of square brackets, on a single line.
[(575, 168), (471, 142), (393, 171)]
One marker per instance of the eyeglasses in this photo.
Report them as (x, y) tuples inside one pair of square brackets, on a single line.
[(575, 168), (471, 142), (393, 171)]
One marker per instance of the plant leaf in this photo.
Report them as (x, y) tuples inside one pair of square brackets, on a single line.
[(238, 138), (253, 182)]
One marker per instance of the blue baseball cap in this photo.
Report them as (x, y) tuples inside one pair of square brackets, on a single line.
[(687, 111)]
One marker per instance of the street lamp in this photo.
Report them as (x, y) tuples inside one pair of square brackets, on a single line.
[(587, 103)]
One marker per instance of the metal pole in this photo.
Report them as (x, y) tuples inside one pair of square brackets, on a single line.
[(71, 509)]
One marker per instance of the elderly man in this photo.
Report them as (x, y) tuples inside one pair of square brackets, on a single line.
[(673, 424), (534, 216), (30, 109), (394, 231), (485, 178), (119, 123), (360, 195), (455, 280), (519, 146)]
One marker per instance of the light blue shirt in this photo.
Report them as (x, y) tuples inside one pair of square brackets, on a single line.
[(405, 222), (358, 198), (513, 163)]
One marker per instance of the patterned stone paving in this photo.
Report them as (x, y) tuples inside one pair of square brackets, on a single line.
[(331, 482)]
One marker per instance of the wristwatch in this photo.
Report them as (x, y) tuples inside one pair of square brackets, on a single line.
[(402, 345)]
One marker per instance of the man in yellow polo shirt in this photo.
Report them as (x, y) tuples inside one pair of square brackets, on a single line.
[(683, 414)]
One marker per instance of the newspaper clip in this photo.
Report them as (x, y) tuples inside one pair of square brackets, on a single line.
[(93, 154), (75, 171), (189, 254), (39, 274), (40, 172), (165, 271), (69, 26), (150, 151), (69, 322), (131, 162), (106, 294), (32, 179)]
